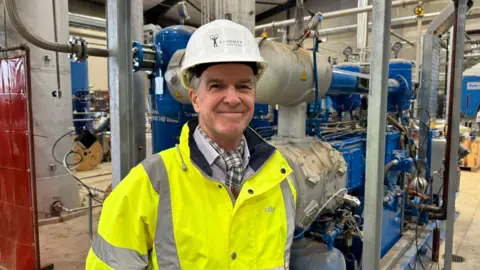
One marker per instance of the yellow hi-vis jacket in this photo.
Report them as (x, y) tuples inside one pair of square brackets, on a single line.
[(169, 213)]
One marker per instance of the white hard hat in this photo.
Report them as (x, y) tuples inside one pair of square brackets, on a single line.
[(220, 41)]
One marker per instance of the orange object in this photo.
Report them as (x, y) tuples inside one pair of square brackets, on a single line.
[(472, 160)]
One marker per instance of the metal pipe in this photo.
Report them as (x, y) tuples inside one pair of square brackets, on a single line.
[(377, 100), (86, 21), (127, 99), (418, 52), (362, 30), (67, 210), (401, 38), (5, 29), (55, 33), (352, 27), (90, 215), (453, 134), (436, 245), (339, 13), (88, 33), (31, 150), (42, 43), (388, 167), (471, 55)]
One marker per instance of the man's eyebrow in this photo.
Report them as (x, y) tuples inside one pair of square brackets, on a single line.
[(245, 80), (213, 80)]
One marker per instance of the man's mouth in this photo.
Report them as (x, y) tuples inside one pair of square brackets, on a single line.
[(232, 113)]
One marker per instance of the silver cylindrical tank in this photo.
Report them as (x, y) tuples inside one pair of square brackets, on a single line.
[(52, 116), (308, 254), (288, 80)]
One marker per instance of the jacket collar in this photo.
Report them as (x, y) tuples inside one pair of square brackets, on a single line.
[(260, 150)]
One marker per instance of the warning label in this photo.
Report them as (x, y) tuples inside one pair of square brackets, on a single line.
[(304, 76), (178, 95)]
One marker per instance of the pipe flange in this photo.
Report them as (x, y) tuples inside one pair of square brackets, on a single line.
[(137, 52), (79, 49)]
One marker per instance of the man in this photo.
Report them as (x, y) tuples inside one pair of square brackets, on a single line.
[(220, 199)]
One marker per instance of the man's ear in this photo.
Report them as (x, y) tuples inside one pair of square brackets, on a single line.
[(192, 93)]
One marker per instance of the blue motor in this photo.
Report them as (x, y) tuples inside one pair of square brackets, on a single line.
[(80, 96), (401, 71), (346, 102), (168, 115)]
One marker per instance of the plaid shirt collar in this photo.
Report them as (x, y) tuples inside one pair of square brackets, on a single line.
[(233, 161)]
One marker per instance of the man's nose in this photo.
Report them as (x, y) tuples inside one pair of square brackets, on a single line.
[(231, 96)]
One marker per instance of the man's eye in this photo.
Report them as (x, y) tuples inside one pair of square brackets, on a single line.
[(214, 86), (245, 86)]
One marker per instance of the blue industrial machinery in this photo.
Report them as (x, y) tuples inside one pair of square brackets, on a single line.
[(470, 96), (80, 96), (264, 120), (349, 137)]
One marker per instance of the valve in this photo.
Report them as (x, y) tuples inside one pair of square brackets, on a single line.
[(419, 11), (137, 51), (312, 25)]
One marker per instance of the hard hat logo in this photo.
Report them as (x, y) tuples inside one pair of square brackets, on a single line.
[(214, 38)]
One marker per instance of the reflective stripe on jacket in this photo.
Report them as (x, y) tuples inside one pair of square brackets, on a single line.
[(170, 213)]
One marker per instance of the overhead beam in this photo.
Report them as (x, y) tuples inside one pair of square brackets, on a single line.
[(159, 10), (164, 22), (266, 3), (273, 11)]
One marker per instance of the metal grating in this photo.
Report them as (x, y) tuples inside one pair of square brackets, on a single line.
[(457, 258), (435, 75)]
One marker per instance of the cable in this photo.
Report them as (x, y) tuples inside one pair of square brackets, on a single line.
[(319, 211), (72, 174), (416, 244), (426, 243), (55, 145)]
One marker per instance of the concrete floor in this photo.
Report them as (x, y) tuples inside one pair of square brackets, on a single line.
[(466, 240), (66, 244)]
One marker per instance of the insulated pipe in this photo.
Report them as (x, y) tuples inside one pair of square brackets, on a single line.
[(12, 11), (338, 13)]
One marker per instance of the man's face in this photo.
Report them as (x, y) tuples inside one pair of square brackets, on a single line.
[(225, 100)]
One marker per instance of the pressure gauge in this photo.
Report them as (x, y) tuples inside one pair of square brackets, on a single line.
[(396, 47), (347, 51)]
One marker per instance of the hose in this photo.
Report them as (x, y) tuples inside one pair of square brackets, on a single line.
[(388, 167), (90, 194), (344, 190), (12, 11)]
